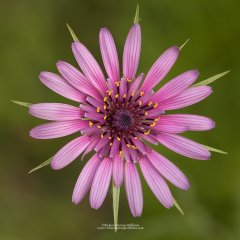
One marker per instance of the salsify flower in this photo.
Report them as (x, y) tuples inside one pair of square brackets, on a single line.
[(118, 116)]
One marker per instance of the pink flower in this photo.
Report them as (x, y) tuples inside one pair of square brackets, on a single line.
[(117, 116)]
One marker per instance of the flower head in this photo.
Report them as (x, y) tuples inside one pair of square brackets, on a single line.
[(118, 116)]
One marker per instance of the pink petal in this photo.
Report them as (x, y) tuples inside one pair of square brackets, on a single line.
[(184, 146), (85, 179), (176, 86), (69, 152), (89, 66), (186, 98), (77, 79), (193, 122), (60, 86), (57, 129), (156, 183), (101, 183), (133, 189), (55, 111), (170, 127), (160, 68), (109, 54), (142, 147), (168, 170), (117, 170), (135, 85), (114, 148), (131, 53)]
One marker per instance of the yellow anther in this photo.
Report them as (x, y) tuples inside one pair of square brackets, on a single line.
[(133, 92), (105, 99), (140, 103), (109, 92), (153, 124), (111, 144), (141, 93), (105, 117), (98, 126), (124, 95), (146, 113), (104, 107), (98, 109), (117, 95), (155, 105), (146, 133), (129, 80), (150, 103), (117, 83), (156, 119), (118, 138), (121, 153), (134, 147), (90, 124), (128, 145), (101, 135)]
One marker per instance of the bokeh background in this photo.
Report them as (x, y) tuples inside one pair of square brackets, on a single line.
[(34, 37)]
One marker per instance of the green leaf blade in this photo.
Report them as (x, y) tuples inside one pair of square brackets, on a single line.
[(214, 149), (74, 36), (24, 104), (47, 162), (211, 79), (115, 195)]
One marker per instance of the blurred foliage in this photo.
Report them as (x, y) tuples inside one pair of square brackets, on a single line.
[(34, 36)]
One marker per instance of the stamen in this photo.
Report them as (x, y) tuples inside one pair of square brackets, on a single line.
[(105, 99), (109, 92), (128, 145), (118, 138), (110, 143), (90, 124), (133, 92), (155, 105), (98, 126), (104, 107), (150, 103), (146, 133), (101, 135), (140, 103), (124, 95), (146, 113), (141, 93), (105, 117), (121, 153), (153, 124), (117, 95), (134, 147), (117, 83), (98, 109), (129, 80)]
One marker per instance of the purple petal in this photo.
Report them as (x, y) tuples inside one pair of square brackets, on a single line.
[(184, 146), (89, 66), (131, 53), (109, 54), (133, 189), (118, 170), (193, 122), (170, 127), (168, 170), (77, 79), (57, 129), (85, 179), (69, 152), (101, 183), (57, 84), (186, 98), (160, 68), (156, 183), (55, 111), (176, 86)]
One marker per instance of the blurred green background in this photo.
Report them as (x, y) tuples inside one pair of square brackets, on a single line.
[(34, 37)]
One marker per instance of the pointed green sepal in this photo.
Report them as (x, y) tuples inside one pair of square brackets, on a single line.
[(183, 45), (211, 79), (115, 195), (136, 17), (24, 104), (175, 203), (47, 162), (214, 149), (74, 36)]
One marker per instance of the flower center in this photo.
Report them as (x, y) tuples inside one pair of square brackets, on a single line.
[(124, 119)]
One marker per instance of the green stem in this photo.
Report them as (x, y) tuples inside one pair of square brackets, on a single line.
[(116, 194)]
